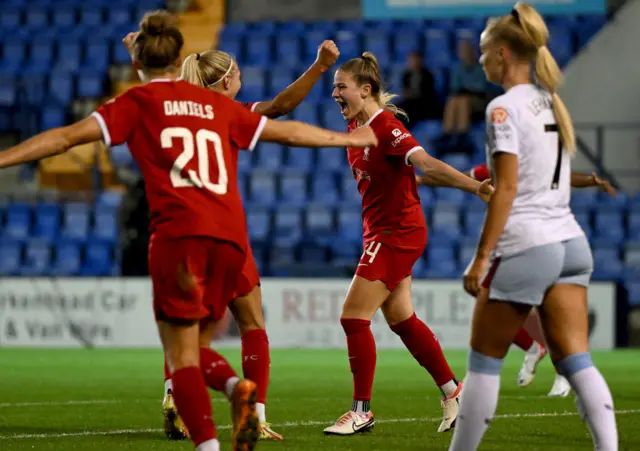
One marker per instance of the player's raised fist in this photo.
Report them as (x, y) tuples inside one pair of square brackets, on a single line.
[(363, 137), (128, 41), (328, 54)]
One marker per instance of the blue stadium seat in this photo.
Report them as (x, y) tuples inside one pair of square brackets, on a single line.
[(441, 262), (323, 189), (41, 52), (607, 264), (69, 55), (13, 51), (96, 56), (281, 77), (10, 257), (98, 260), (446, 221), (609, 227), (331, 159), (90, 84), (245, 161), (306, 112), (258, 50), (262, 188), (269, 156), (8, 91), (348, 43), (9, 19), (280, 257), (61, 87), (105, 227), (404, 44), (37, 258), (64, 17), (293, 188), (313, 253), (467, 253), (427, 196), (91, 16), (633, 292), (109, 200), (75, 222), (419, 269), (52, 116), (620, 201), (377, 42), (438, 52), (18, 222), (583, 198), (67, 259), (349, 189), (589, 27), (119, 15), (232, 44), (121, 156), (287, 228), (259, 224), (312, 40), (634, 224), (319, 224), (632, 255), (561, 44), (459, 161), (350, 225), (47, 221), (300, 159), (253, 84), (473, 219), (426, 130), (288, 49), (36, 18), (450, 196)]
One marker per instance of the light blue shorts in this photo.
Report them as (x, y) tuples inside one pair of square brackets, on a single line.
[(525, 277)]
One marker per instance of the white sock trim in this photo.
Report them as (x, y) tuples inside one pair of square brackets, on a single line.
[(168, 385), (262, 412), (209, 445), (230, 385)]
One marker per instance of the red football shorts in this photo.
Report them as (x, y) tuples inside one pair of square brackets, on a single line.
[(389, 264), (193, 278), (249, 277)]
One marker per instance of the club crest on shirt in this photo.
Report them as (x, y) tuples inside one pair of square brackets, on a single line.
[(499, 115)]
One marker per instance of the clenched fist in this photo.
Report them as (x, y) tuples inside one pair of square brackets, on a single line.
[(129, 40), (328, 54)]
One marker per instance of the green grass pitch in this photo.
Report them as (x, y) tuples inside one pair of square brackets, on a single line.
[(110, 399)]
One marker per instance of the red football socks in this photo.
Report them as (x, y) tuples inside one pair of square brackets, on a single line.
[(194, 404), (425, 348), (256, 361), (216, 371), (523, 340), (362, 356)]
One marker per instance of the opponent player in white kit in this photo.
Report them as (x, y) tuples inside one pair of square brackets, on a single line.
[(537, 253)]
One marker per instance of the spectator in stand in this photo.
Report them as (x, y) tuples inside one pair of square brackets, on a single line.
[(419, 98), (469, 96)]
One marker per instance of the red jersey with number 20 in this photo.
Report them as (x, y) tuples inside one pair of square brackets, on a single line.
[(391, 210), (185, 140)]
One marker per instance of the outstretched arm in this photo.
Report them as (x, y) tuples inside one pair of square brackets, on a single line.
[(299, 134), (585, 181), (294, 94), (52, 142), (438, 173)]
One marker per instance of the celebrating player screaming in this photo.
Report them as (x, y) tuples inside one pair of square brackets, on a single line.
[(395, 236)]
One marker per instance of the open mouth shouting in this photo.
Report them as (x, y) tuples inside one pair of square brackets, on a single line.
[(344, 108)]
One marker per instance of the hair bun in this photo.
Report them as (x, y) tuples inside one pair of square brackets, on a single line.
[(157, 23)]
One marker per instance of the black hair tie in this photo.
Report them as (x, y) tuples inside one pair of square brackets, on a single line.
[(516, 15), (197, 56)]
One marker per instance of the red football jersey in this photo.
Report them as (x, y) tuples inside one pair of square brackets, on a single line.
[(480, 172), (391, 210), (185, 140)]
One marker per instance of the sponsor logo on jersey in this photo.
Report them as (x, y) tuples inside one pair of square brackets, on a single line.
[(399, 139), (499, 115), (396, 132)]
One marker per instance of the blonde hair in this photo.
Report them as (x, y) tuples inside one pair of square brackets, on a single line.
[(366, 70), (526, 34), (208, 68)]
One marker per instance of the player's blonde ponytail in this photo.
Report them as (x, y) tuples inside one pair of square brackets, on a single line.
[(207, 69), (547, 72), (366, 70)]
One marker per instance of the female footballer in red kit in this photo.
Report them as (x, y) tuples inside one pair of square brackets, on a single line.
[(395, 236)]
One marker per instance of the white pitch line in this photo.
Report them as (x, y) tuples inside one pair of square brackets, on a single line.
[(89, 402), (293, 424)]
